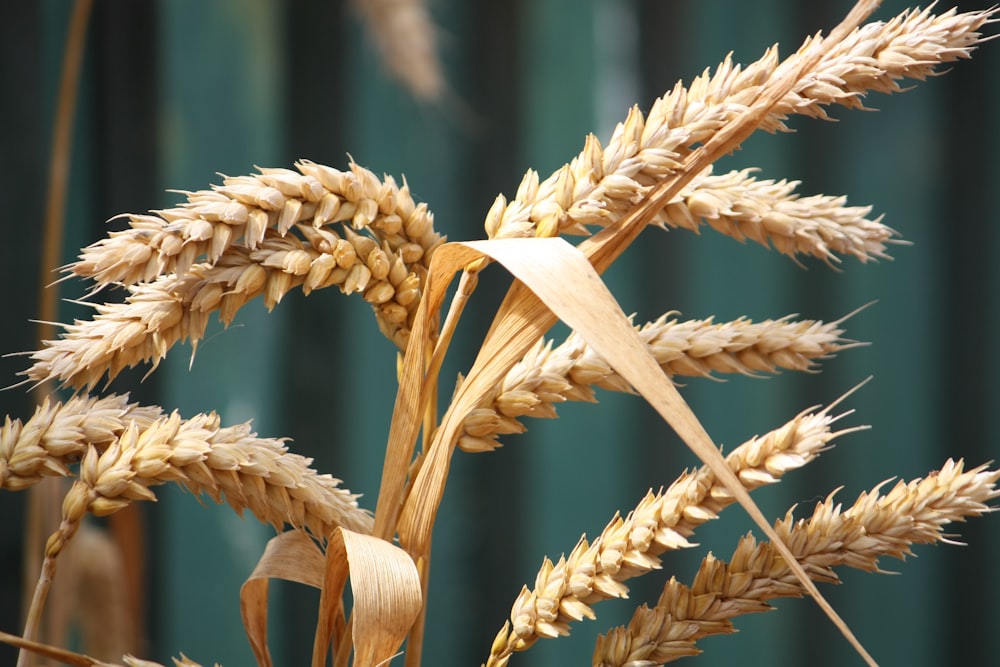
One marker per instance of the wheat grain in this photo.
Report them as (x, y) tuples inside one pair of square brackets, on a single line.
[(564, 591), (57, 434), (601, 185), (876, 525), (549, 375), (149, 448)]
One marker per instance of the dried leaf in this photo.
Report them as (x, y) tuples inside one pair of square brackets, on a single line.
[(292, 556), (387, 596)]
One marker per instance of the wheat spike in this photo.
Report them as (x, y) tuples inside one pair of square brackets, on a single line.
[(772, 214), (548, 375), (601, 184), (126, 448), (564, 591), (176, 307), (876, 525), (267, 233)]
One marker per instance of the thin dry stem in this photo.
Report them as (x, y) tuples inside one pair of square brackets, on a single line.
[(876, 525), (80, 660), (548, 375), (629, 547)]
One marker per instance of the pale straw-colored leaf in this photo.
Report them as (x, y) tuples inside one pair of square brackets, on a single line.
[(386, 590), (292, 556)]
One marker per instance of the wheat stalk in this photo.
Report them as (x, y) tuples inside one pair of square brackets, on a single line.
[(876, 525), (522, 317), (265, 234), (595, 571), (80, 660), (548, 375)]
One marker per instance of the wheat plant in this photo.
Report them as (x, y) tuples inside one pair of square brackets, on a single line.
[(314, 226)]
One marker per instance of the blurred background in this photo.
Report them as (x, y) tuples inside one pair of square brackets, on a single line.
[(174, 92)]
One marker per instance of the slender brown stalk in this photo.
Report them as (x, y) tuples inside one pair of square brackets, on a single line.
[(80, 660), (43, 502)]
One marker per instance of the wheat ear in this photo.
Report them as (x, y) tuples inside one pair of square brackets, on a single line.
[(630, 546), (876, 525), (243, 207), (601, 185), (260, 474), (548, 375), (245, 226), (772, 214), (172, 295), (175, 308), (150, 448)]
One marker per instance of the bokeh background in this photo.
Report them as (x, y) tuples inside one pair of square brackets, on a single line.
[(175, 91)]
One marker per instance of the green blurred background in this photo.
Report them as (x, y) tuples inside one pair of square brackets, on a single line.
[(174, 92)]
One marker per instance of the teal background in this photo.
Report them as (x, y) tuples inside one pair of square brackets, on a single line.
[(176, 91)]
